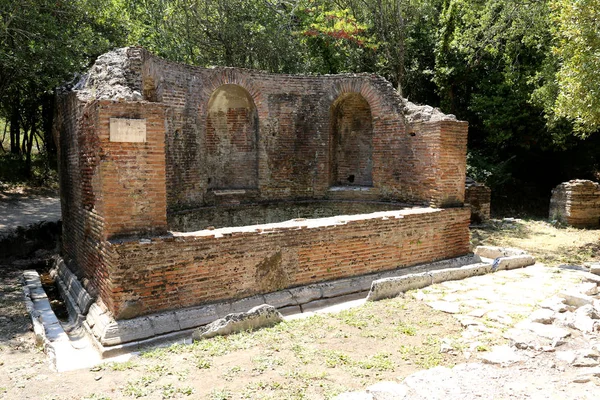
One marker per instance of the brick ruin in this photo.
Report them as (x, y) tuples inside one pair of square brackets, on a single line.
[(479, 197), (576, 203), (183, 186)]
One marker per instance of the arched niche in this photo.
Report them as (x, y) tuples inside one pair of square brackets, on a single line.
[(232, 139), (351, 141)]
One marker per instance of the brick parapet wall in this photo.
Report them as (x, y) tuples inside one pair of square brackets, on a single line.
[(205, 266), (576, 203)]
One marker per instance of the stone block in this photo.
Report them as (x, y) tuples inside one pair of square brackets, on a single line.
[(118, 332), (450, 274), (197, 316), (305, 294), (392, 287), (282, 298), (164, 323), (495, 251), (244, 305), (513, 262), (576, 299), (341, 287)]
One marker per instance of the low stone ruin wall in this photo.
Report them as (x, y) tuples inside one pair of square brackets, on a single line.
[(576, 203)]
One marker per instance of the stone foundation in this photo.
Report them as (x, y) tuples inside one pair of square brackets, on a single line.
[(576, 203)]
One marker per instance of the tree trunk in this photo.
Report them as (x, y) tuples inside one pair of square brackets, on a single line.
[(47, 121), (15, 130), (28, 149)]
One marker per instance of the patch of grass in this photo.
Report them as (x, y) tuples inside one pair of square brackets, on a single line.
[(121, 366), (424, 356), (263, 363), (405, 329), (304, 354), (548, 243), (170, 391), (335, 358), (203, 363), (232, 372), (138, 388), (161, 369), (220, 394), (378, 362), (95, 396)]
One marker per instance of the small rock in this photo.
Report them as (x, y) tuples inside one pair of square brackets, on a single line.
[(447, 307), (582, 379), (595, 269), (582, 319), (548, 331), (446, 348), (503, 355), (576, 299), (500, 317), (523, 339), (588, 288), (588, 277), (566, 356), (585, 362), (556, 304), (478, 313), (542, 316), (98, 377), (469, 322)]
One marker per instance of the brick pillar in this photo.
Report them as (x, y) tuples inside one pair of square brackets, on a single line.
[(132, 168)]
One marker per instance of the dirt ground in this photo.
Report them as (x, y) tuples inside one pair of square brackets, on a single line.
[(314, 358)]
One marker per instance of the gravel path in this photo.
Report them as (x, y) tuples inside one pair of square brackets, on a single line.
[(18, 210)]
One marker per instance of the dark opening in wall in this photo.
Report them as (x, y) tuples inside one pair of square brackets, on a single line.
[(351, 141), (232, 139)]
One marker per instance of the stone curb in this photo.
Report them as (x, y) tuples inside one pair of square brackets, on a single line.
[(391, 287), (46, 327)]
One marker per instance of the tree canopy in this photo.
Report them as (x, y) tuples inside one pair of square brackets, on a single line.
[(524, 73)]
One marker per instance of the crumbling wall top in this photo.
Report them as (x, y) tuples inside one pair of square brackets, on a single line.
[(116, 75)]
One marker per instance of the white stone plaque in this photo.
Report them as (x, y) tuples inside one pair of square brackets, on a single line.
[(127, 130)]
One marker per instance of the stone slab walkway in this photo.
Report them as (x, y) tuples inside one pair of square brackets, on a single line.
[(521, 338)]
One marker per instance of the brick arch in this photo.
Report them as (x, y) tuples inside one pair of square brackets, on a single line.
[(231, 139), (369, 92), (351, 141)]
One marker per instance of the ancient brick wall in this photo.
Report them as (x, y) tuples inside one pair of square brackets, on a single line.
[(314, 132), (576, 203), (83, 225), (225, 136), (192, 269)]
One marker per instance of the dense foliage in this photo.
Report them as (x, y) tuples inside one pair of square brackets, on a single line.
[(524, 73)]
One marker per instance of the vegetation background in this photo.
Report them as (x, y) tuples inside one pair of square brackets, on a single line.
[(524, 73)]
